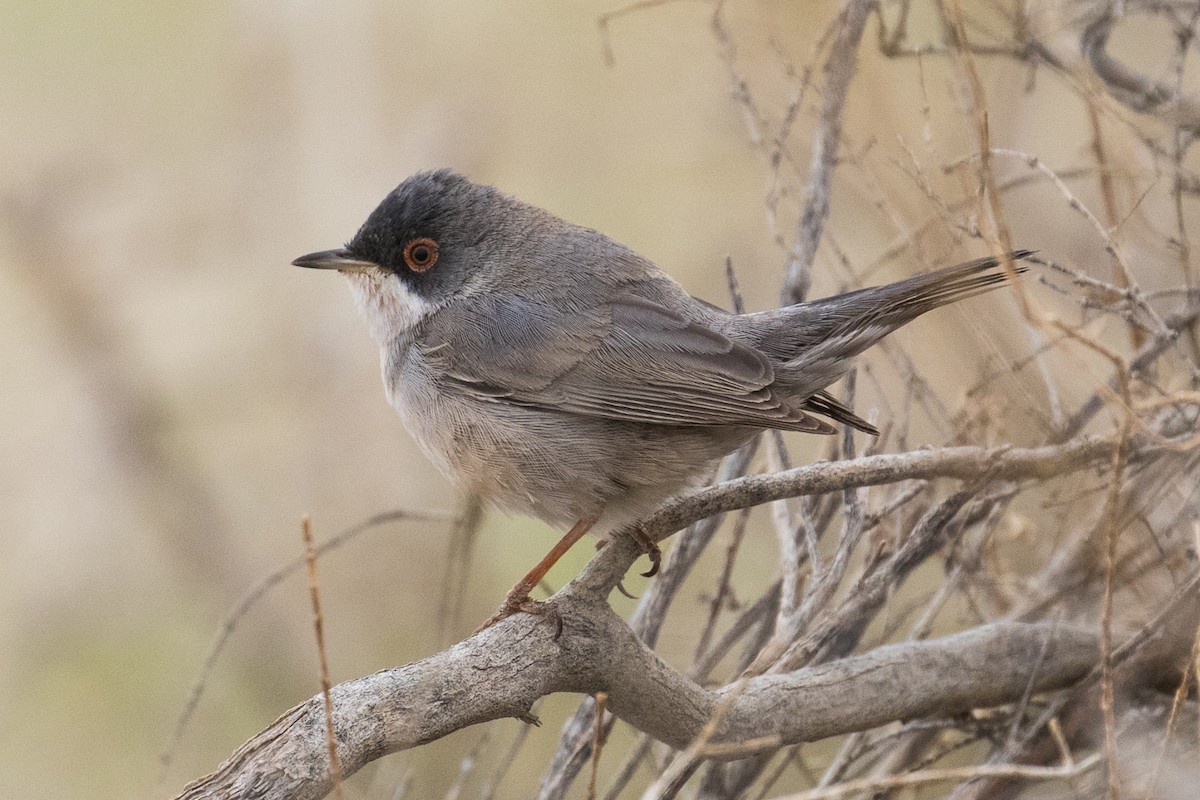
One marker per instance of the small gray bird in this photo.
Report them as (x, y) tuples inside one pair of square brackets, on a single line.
[(561, 375)]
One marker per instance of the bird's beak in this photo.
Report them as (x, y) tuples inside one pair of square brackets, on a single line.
[(340, 259)]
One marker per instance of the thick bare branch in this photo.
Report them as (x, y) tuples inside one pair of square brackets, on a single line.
[(502, 671)]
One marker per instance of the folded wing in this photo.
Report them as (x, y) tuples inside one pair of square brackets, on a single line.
[(632, 360)]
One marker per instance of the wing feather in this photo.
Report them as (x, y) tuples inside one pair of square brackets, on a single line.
[(632, 360)]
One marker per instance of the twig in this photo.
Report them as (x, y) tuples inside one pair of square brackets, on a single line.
[(724, 587), (489, 791), (597, 744), (467, 765), (1181, 693), (310, 558), (251, 598), (965, 463), (997, 233), (1187, 594), (839, 71), (1174, 322), (928, 776), (635, 758), (458, 564)]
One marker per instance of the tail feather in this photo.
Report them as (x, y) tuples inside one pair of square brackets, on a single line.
[(897, 303), (814, 343)]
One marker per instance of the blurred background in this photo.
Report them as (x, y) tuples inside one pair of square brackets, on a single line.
[(176, 396)]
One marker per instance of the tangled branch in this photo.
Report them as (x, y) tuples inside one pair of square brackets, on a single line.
[(504, 670)]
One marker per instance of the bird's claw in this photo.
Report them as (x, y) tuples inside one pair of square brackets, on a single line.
[(522, 602), (652, 551)]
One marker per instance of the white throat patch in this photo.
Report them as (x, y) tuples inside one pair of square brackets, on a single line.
[(390, 308)]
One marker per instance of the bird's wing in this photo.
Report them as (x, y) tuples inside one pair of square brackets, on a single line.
[(630, 359)]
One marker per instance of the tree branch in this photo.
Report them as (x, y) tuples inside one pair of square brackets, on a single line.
[(964, 463), (502, 671), (839, 69)]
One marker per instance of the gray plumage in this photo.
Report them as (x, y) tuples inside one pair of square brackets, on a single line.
[(564, 376)]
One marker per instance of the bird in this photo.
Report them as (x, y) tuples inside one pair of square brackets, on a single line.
[(561, 375)]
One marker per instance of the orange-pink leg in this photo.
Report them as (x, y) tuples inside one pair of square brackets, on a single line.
[(518, 597)]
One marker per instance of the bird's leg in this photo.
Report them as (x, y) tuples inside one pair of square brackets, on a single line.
[(651, 548), (518, 598)]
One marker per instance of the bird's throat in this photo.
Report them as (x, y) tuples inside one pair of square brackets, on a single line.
[(390, 307)]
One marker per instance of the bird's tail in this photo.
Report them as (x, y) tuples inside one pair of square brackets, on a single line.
[(826, 334), (895, 304)]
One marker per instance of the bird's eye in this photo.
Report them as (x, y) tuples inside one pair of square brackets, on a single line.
[(421, 254)]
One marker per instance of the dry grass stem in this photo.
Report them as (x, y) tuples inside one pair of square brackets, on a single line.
[(310, 558)]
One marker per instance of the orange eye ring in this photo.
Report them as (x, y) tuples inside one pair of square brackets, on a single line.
[(421, 254)]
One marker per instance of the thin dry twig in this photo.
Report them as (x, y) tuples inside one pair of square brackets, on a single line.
[(1111, 529), (310, 558), (925, 777), (1177, 699), (467, 765), (839, 70), (251, 599), (489, 790), (996, 228), (597, 744), (460, 547)]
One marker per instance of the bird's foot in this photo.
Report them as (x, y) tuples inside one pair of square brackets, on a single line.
[(518, 600), (518, 597), (652, 551)]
